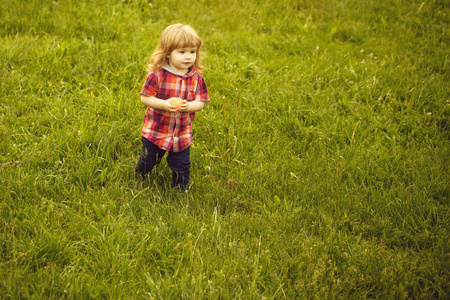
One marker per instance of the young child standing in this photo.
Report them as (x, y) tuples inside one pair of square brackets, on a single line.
[(174, 73)]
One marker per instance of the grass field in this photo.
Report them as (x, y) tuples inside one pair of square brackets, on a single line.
[(320, 167)]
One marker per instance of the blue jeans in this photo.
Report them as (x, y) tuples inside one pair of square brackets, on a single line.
[(179, 163)]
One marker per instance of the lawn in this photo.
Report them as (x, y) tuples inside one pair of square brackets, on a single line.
[(320, 168)]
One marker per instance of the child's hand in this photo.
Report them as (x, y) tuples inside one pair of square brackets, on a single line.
[(183, 106)]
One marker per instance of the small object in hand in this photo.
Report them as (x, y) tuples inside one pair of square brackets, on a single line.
[(176, 102)]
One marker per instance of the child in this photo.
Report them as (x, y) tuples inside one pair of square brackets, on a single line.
[(173, 73)]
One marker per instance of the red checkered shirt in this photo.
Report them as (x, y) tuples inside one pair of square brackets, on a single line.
[(165, 129)]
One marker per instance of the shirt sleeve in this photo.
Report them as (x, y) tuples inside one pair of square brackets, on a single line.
[(202, 93), (150, 87)]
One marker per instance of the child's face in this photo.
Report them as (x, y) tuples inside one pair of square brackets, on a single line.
[(180, 60)]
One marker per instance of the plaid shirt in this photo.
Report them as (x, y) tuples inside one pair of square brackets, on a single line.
[(165, 129)]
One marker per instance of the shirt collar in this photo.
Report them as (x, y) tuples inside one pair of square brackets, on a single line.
[(169, 69)]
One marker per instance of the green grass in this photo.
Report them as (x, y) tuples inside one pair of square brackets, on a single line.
[(320, 167)]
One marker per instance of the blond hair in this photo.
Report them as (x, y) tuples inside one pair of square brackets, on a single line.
[(175, 37)]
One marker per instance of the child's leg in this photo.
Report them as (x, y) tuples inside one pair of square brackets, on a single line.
[(151, 156), (180, 164)]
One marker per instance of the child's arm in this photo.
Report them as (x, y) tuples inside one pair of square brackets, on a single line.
[(156, 103), (191, 106)]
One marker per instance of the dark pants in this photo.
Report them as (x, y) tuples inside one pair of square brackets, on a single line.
[(179, 163)]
